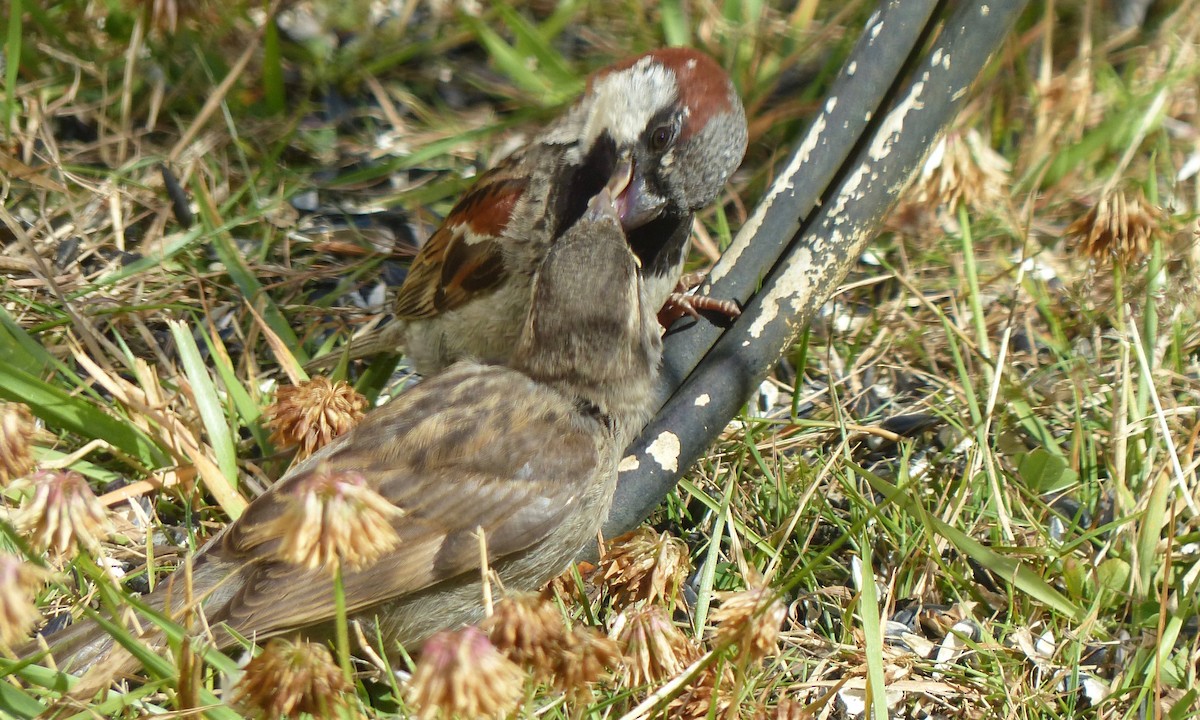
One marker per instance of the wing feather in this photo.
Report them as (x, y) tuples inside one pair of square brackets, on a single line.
[(458, 462)]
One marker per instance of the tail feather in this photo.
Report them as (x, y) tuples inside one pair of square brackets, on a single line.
[(86, 643)]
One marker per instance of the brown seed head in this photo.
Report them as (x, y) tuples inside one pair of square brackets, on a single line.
[(331, 518), (654, 648), (313, 413), (645, 565), (461, 674), (63, 513), (962, 169), (19, 582), (288, 678), (709, 690), (750, 619), (530, 632), (789, 709), (16, 431), (1118, 229), (587, 657)]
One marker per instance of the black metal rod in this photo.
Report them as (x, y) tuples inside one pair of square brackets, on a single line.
[(874, 71), (818, 257)]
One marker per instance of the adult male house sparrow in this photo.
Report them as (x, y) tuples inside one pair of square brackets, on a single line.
[(524, 456), (671, 116)]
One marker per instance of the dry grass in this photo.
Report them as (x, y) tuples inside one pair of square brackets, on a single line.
[(996, 425)]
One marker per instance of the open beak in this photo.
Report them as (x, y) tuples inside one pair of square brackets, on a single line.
[(636, 206), (606, 203)]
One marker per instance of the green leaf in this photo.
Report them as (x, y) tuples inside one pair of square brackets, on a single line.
[(674, 23), (1045, 472), (1150, 529), (1113, 574)]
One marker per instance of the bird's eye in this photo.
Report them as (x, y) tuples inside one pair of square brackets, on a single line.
[(662, 137)]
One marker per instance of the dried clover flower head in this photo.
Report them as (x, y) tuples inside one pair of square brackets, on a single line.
[(1118, 229), (313, 413), (750, 619), (461, 674), (654, 648), (962, 169), (530, 632), (19, 582), (645, 565), (288, 678), (587, 657), (707, 692), (332, 520), (16, 430), (63, 513), (789, 709)]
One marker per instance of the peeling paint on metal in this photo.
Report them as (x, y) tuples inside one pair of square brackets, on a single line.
[(750, 229), (792, 284), (629, 463), (665, 451), (894, 122), (703, 400)]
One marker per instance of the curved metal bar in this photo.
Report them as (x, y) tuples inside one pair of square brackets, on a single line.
[(819, 252)]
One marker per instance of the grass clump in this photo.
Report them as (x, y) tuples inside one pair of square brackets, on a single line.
[(972, 481)]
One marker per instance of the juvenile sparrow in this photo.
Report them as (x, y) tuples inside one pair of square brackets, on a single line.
[(671, 116), (518, 459)]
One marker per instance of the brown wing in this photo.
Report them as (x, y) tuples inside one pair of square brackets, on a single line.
[(493, 453), (463, 259)]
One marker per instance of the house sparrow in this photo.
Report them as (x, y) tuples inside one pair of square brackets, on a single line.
[(671, 116), (524, 455)]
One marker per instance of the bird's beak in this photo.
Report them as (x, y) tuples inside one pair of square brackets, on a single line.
[(602, 206), (605, 206), (636, 206)]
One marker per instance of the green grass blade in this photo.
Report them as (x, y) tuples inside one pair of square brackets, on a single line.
[(674, 23), (64, 411), (19, 350), (212, 410), (245, 279), (532, 42), (869, 612), (12, 53), (15, 702), (1010, 570)]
